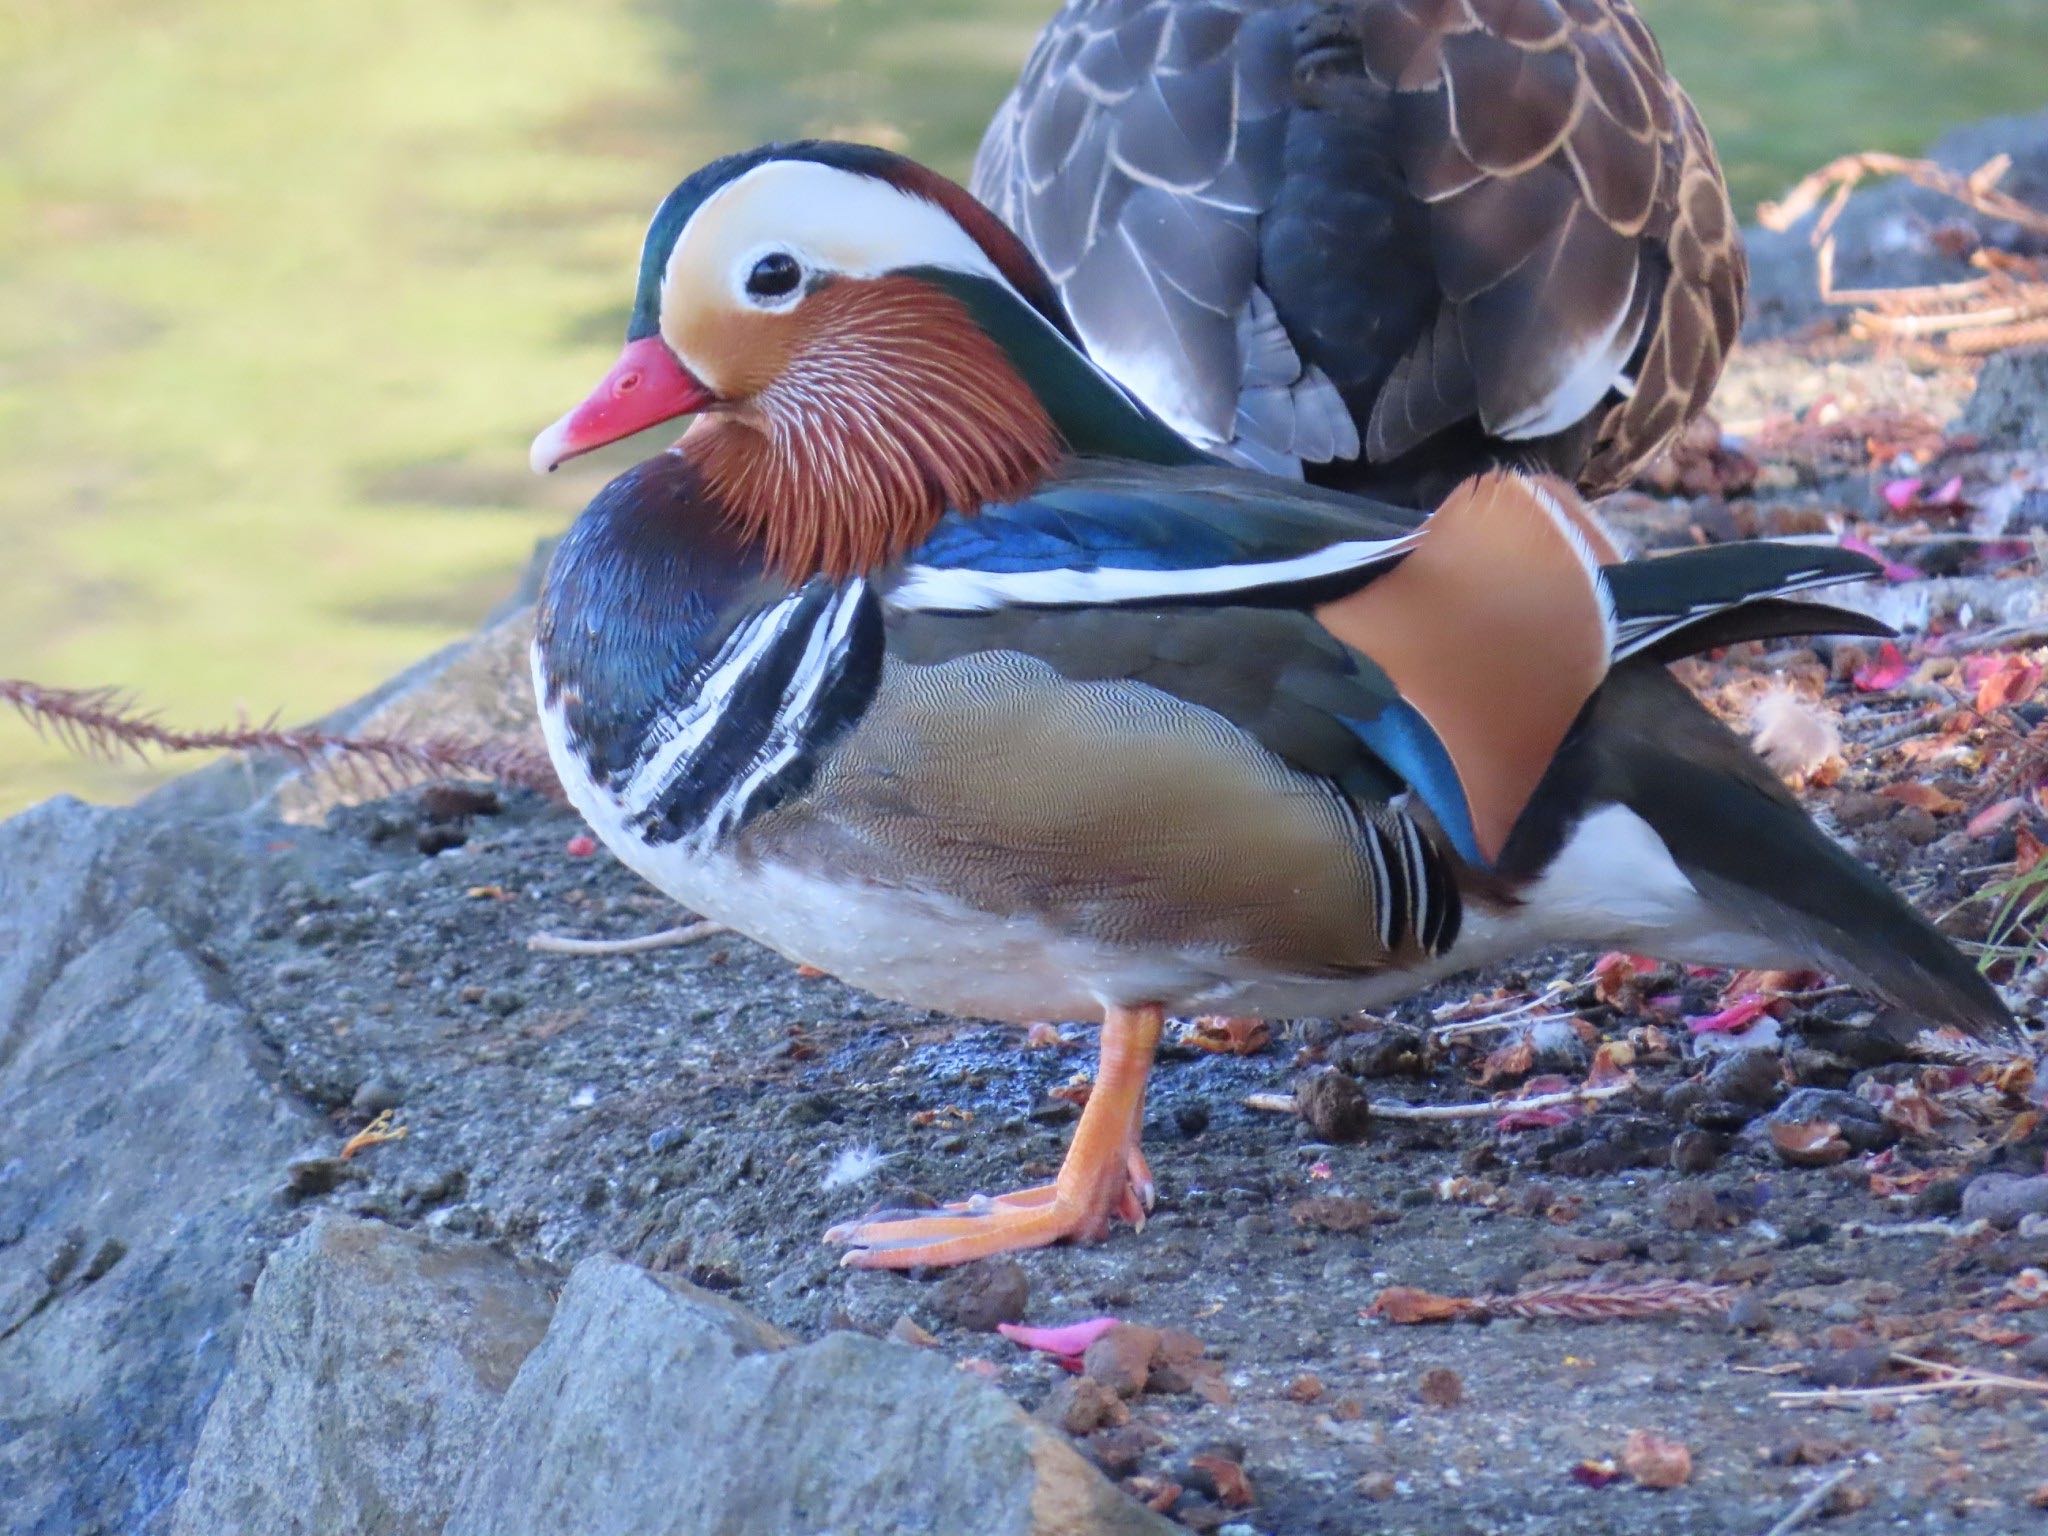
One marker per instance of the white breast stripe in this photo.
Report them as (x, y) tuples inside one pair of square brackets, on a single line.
[(823, 654), (678, 736), (931, 589)]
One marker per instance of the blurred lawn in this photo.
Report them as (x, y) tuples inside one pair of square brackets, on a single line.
[(286, 285)]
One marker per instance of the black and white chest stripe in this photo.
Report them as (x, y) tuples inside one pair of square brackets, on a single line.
[(765, 707)]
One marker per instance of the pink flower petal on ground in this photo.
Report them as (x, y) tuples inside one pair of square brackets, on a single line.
[(1903, 495), (1992, 817), (1070, 1340), (1665, 1002), (1733, 1019), (1893, 569), (1886, 673), (1950, 495)]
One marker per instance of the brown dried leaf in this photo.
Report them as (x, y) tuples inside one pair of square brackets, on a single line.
[(1611, 1063), (1406, 1304), (1922, 797), (1810, 1143), (1230, 1037), (1655, 1461)]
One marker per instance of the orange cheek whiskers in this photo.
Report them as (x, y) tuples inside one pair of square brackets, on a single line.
[(894, 409)]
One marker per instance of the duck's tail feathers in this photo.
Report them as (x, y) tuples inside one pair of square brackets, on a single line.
[(1773, 881), (1682, 604)]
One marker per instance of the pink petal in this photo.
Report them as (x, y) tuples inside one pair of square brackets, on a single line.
[(1902, 495), (1733, 1019), (1950, 495), (1070, 1341), (1886, 673), (1992, 817), (1537, 1119), (1893, 570)]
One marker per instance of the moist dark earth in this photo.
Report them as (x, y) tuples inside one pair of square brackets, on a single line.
[(710, 1110)]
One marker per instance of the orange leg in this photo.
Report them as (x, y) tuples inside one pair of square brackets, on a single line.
[(1104, 1174)]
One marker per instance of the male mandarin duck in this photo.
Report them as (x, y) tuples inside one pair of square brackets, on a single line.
[(930, 657), (1390, 242)]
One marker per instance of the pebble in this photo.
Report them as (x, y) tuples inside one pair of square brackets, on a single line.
[(1697, 1151), (1191, 1118), (313, 1173), (1748, 1314), (1080, 1405), (377, 1094), (1859, 1124), (1848, 1367), (2004, 1198), (1751, 1078), (2034, 1353), (978, 1296), (1333, 1106), (1122, 1358)]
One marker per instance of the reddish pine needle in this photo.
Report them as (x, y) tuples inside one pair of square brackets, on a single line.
[(105, 723)]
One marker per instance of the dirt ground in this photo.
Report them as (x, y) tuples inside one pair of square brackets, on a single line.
[(710, 1110)]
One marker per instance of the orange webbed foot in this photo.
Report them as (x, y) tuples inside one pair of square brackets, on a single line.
[(1104, 1174)]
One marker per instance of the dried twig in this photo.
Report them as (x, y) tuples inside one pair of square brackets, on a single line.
[(1815, 1496), (102, 722), (668, 938), (1579, 1303), (1943, 1377), (2008, 306), (1284, 1104)]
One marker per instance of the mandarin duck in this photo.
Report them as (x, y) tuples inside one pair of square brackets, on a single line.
[(1387, 242), (931, 657)]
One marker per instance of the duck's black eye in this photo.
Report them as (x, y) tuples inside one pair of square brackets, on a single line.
[(774, 275)]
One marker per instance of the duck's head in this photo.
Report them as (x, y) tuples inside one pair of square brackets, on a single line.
[(865, 344)]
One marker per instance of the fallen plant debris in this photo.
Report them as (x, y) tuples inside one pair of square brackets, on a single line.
[(1937, 1377), (104, 722), (1656, 1461), (1591, 1302)]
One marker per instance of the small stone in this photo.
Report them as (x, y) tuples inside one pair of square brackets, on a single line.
[(1119, 1449), (313, 1173), (1216, 1471), (377, 1094), (1857, 1122), (1305, 1388), (1944, 1197), (1696, 1208), (1748, 1314), (979, 1296), (1177, 1363), (2003, 1199), (1751, 1078), (1388, 1052), (2034, 1353), (1122, 1358), (1441, 1387), (458, 802), (1333, 1106), (1860, 1367), (503, 1001), (1376, 1486), (1695, 1152), (667, 1138), (1191, 1118), (1081, 1405), (906, 1330), (439, 837)]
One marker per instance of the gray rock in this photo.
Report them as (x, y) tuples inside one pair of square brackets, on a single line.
[(643, 1383), (1862, 1127), (2004, 1199), (2010, 406), (369, 1368), (142, 1133)]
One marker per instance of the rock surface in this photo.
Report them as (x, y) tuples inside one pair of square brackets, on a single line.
[(142, 1126), (368, 1372), (643, 1384)]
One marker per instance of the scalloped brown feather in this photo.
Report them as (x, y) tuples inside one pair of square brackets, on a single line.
[(1565, 196)]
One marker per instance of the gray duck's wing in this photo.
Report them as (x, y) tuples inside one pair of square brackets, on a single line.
[(1306, 229)]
